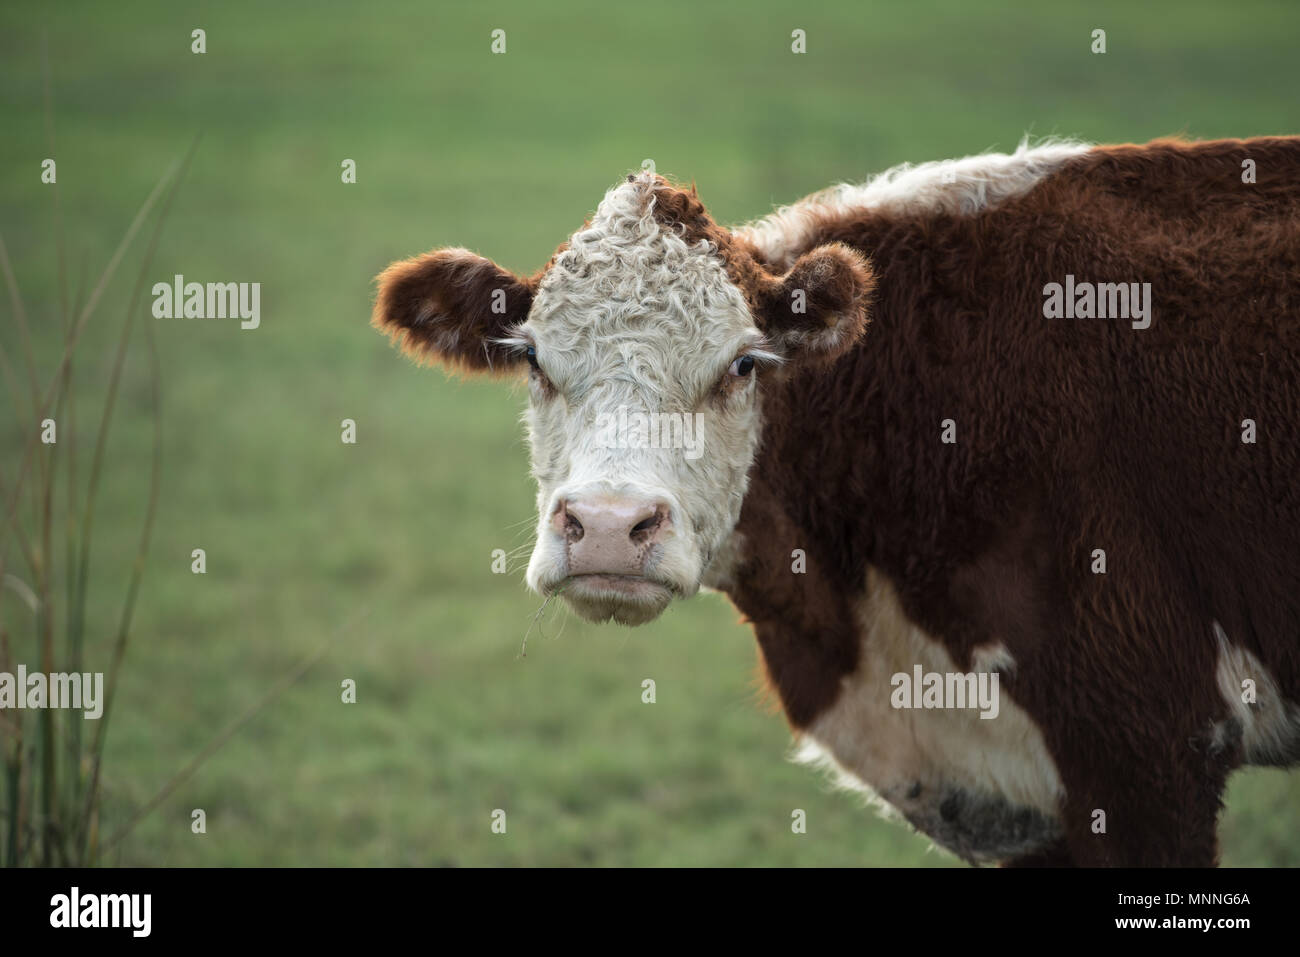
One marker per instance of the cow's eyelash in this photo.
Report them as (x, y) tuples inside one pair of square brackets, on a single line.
[(515, 345), (763, 359), (523, 349)]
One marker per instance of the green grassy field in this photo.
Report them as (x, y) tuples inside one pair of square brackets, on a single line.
[(385, 546)]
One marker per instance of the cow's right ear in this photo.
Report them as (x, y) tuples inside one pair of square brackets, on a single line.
[(819, 309), (451, 306)]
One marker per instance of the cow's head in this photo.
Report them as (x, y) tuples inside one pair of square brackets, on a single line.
[(647, 341)]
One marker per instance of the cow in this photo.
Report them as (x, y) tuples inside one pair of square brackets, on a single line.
[(1019, 429)]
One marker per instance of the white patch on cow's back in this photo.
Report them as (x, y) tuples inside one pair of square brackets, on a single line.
[(960, 187), (916, 759), (1269, 728)]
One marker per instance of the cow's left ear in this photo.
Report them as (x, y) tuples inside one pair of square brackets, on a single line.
[(451, 306), (818, 310)]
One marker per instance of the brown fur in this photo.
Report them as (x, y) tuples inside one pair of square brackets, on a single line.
[(439, 307), (1072, 435)]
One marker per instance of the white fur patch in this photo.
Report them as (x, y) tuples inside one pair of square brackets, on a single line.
[(960, 187), (915, 759), (1270, 726)]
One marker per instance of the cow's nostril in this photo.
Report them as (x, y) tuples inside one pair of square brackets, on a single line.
[(572, 527), (646, 525), (646, 529)]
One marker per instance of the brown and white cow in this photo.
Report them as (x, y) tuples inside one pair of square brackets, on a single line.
[(923, 458)]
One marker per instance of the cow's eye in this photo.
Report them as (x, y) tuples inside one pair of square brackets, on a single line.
[(742, 367), (531, 354)]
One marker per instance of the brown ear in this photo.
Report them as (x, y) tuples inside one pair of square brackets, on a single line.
[(818, 310), (451, 306)]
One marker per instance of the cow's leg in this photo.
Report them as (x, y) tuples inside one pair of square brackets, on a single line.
[(1177, 830), (1153, 809), (1127, 696), (1144, 757)]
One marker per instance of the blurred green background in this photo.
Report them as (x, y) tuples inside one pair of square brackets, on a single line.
[(389, 542)]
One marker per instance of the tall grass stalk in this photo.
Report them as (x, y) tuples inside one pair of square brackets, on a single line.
[(52, 779)]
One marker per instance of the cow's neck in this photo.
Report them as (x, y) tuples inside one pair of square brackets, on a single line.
[(797, 563)]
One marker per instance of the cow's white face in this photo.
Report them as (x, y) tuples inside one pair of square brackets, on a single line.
[(647, 340), (643, 400)]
